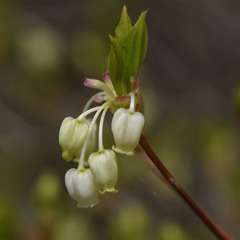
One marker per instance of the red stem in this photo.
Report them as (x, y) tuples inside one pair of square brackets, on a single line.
[(201, 213)]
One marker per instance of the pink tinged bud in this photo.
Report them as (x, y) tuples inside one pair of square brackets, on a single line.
[(82, 187), (135, 84), (93, 83), (103, 165), (72, 135), (126, 127), (106, 77), (99, 98), (107, 80)]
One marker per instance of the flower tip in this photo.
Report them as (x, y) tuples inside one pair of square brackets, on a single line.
[(79, 205), (110, 190), (87, 82), (98, 98), (145, 11), (106, 75), (92, 83), (66, 156), (118, 150), (82, 206)]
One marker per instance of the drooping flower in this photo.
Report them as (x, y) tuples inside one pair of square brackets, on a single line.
[(103, 165), (72, 134), (127, 126), (118, 92), (82, 187)]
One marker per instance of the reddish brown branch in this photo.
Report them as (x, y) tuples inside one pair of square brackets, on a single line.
[(202, 214)]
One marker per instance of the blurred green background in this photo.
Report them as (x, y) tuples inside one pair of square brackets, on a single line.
[(190, 82)]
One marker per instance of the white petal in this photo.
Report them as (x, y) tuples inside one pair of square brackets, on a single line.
[(72, 135), (126, 127), (82, 187), (105, 170)]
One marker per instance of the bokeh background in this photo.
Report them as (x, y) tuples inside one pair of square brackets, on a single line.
[(189, 81)]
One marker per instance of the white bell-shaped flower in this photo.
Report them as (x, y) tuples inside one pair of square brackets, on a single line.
[(72, 134), (126, 127), (103, 165), (82, 187)]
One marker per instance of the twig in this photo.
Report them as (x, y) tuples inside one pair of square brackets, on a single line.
[(201, 213)]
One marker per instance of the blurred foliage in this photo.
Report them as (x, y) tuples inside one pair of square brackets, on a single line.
[(131, 223), (237, 101), (88, 53), (47, 196), (190, 87), (72, 227), (6, 11), (172, 231), (9, 220), (39, 49)]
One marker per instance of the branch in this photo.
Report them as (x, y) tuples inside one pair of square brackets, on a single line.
[(201, 213)]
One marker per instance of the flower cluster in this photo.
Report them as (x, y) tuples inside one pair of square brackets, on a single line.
[(97, 172)]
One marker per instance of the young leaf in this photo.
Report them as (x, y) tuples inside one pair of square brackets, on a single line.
[(134, 47), (124, 25), (128, 50), (116, 66)]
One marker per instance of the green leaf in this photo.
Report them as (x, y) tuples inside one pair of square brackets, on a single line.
[(116, 66), (128, 50), (134, 48), (124, 25), (141, 37)]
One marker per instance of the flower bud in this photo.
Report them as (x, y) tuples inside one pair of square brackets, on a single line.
[(82, 187), (103, 165), (126, 127), (72, 134)]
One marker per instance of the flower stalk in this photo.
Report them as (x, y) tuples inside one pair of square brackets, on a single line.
[(200, 212)]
